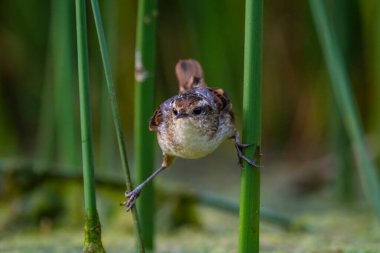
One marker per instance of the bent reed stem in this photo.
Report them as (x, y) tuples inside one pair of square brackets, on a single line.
[(116, 114)]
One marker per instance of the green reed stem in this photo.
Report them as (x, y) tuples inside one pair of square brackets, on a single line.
[(346, 105), (115, 112), (144, 106), (372, 28), (375, 70), (107, 135), (341, 17), (45, 149), (45, 143), (93, 241), (62, 14), (206, 32), (344, 183), (249, 215)]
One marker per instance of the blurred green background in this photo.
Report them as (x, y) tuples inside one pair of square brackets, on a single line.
[(304, 143)]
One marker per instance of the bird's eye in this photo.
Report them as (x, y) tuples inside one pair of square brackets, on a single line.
[(197, 110), (175, 111)]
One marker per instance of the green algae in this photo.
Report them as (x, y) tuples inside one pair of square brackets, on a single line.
[(93, 235)]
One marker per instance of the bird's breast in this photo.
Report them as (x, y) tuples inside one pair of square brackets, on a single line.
[(192, 140)]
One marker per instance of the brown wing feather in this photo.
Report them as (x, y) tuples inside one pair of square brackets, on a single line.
[(156, 120), (221, 99)]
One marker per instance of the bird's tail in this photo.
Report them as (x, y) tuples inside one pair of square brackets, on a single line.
[(189, 74)]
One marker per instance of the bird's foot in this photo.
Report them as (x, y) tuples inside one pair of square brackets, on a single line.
[(239, 148), (132, 197)]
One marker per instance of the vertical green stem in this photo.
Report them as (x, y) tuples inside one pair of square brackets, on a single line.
[(346, 105), (375, 73), (249, 214), (92, 226), (371, 27), (344, 183), (45, 150), (115, 111), (206, 32), (144, 106), (341, 17), (63, 81), (107, 136), (45, 145)]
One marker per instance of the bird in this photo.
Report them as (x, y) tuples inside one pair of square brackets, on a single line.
[(191, 124)]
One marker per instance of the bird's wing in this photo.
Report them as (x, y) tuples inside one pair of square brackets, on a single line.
[(156, 120), (159, 115), (220, 98)]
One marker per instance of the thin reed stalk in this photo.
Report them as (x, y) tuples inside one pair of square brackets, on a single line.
[(62, 14), (344, 184), (115, 112), (107, 136), (92, 228), (45, 142), (45, 150), (371, 27), (144, 106), (209, 30), (249, 215), (375, 66), (341, 87)]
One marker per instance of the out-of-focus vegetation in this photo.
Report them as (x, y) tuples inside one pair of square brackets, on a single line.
[(341, 87), (40, 186)]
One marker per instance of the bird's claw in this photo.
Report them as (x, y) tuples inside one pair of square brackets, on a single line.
[(243, 145), (132, 197), (239, 146)]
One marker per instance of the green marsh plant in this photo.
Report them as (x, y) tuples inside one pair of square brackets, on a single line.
[(340, 85), (62, 16), (115, 113), (145, 59), (342, 19), (107, 135), (249, 215), (92, 228)]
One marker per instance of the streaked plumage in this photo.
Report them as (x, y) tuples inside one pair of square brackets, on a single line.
[(191, 124), (207, 122)]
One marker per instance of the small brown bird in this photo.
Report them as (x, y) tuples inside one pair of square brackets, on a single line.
[(191, 124)]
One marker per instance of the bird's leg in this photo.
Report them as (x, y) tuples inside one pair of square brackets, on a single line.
[(135, 193), (239, 148)]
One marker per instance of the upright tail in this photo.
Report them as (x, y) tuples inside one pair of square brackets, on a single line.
[(189, 74)]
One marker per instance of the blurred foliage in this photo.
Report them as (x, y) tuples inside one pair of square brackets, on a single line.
[(294, 89)]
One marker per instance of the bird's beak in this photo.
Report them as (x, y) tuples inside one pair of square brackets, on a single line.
[(181, 115)]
